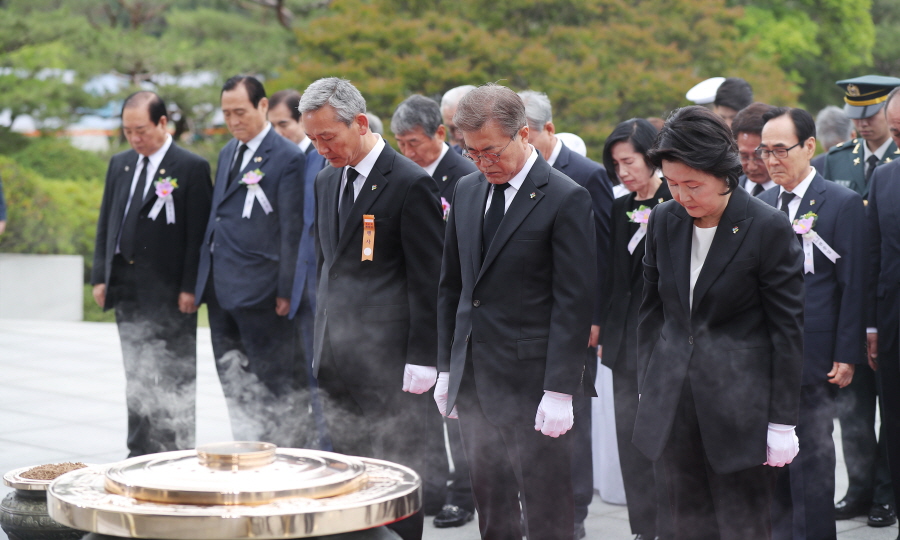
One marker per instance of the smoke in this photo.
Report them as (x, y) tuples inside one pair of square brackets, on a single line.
[(258, 413)]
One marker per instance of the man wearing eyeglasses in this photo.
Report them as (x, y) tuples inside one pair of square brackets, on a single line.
[(834, 334), (747, 128), (514, 307)]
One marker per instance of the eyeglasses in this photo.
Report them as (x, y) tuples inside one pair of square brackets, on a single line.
[(749, 158), (779, 153), (490, 157)]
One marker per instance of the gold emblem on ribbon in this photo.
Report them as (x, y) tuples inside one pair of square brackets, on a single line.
[(368, 245), (853, 90)]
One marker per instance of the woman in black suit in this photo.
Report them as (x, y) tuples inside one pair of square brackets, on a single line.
[(625, 157), (720, 338)]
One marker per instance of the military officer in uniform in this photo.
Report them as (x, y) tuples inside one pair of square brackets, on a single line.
[(851, 163)]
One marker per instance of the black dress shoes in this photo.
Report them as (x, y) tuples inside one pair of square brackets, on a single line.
[(882, 515), (849, 509), (452, 516), (579, 531)]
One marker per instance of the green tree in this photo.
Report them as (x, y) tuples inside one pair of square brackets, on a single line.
[(816, 42), (599, 61)]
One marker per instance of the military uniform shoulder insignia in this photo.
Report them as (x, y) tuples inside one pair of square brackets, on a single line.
[(838, 145)]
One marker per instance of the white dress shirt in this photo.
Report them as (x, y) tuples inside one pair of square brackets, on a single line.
[(551, 159), (304, 144), (750, 184), (252, 146), (515, 183), (800, 192), (879, 152), (364, 168), (432, 166), (155, 159)]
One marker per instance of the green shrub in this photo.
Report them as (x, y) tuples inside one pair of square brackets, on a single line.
[(11, 142), (49, 216), (58, 159)]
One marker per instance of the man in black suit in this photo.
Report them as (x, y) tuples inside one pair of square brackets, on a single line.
[(747, 130), (155, 206), (833, 331), (378, 238), (247, 263), (591, 176), (420, 135), (883, 213), (284, 115), (514, 308)]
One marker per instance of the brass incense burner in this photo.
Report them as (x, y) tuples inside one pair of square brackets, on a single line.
[(235, 491)]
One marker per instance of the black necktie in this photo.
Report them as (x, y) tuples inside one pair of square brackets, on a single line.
[(236, 168), (757, 189), (786, 198), (873, 162), (346, 200), (493, 217), (129, 225)]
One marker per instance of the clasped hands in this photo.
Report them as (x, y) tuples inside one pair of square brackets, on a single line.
[(554, 417)]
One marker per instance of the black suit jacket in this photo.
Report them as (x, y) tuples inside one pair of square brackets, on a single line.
[(525, 311), (741, 345), (883, 217), (451, 168), (378, 315), (592, 176), (624, 283), (833, 326), (166, 255), (255, 257)]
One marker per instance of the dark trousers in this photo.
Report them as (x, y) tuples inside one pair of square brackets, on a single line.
[(378, 422), (865, 454), (159, 350), (512, 463), (253, 347), (443, 486), (804, 492), (710, 506), (889, 367), (583, 453), (644, 480), (307, 403)]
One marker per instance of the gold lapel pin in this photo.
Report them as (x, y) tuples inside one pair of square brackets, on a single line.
[(444, 179), (734, 230), (257, 159), (812, 202), (856, 161), (162, 171), (532, 195), (888, 160), (127, 168), (374, 187), (660, 199)]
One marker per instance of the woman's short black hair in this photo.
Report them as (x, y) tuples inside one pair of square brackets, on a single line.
[(699, 138), (639, 132)]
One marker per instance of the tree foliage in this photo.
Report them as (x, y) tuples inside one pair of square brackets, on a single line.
[(599, 61), (816, 42)]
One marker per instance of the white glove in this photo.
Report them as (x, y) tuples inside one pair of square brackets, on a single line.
[(418, 379), (442, 393), (554, 414), (782, 445)]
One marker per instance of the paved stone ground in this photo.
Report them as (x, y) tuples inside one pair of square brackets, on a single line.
[(62, 399)]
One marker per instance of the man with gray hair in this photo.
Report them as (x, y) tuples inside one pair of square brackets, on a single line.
[(420, 135), (448, 108), (515, 301), (591, 176), (378, 238), (833, 127)]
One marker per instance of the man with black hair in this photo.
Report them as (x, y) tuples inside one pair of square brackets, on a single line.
[(830, 222), (747, 130), (155, 205), (247, 263), (733, 95)]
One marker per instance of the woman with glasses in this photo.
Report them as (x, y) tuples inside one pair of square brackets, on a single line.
[(720, 337), (625, 156)]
